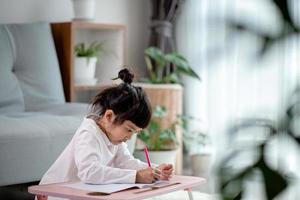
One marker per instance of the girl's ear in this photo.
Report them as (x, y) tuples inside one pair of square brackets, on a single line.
[(109, 116)]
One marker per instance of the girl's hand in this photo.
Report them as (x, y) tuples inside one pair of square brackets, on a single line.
[(145, 176), (164, 172)]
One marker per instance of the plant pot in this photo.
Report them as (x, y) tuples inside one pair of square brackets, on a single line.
[(200, 164), (158, 157), (84, 9), (85, 70)]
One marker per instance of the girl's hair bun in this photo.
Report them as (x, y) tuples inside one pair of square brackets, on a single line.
[(126, 76)]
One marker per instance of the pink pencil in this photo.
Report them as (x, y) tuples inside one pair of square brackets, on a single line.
[(147, 156)]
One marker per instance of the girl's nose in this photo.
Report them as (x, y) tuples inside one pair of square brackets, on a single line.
[(127, 138)]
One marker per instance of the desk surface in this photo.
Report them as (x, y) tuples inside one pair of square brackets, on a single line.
[(57, 190)]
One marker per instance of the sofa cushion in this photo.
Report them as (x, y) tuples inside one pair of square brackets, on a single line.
[(70, 109), (30, 143), (11, 98), (36, 64), (75, 109)]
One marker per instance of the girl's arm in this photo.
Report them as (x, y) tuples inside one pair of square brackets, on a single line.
[(125, 160), (88, 159)]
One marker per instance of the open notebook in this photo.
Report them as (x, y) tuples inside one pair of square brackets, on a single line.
[(111, 188)]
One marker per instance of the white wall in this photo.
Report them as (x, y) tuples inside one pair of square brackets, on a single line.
[(133, 13)]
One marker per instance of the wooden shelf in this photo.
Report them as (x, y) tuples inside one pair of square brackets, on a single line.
[(97, 26), (67, 34)]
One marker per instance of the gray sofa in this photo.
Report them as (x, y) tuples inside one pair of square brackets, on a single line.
[(35, 121)]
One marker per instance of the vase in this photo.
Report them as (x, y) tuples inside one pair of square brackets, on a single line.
[(85, 71), (84, 9), (200, 164)]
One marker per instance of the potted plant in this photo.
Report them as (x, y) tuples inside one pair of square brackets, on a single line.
[(196, 144), (161, 142), (167, 68), (164, 87), (85, 62)]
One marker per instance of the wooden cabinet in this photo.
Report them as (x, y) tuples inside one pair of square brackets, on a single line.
[(66, 35)]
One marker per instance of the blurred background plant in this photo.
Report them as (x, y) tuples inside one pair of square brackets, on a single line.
[(157, 62), (195, 138), (156, 138), (273, 176), (289, 25), (275, 179), (95, 49), (85, 62), (197, 145)]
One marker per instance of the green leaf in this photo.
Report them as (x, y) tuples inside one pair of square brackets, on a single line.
[(189, 72), (153, 76), (144, 135), (155, 136), (154, 52), (170, 134), (157, 55), (95, 49), (182, 65), (160, 111), (171, 78), (162, 61), (153, 127), (180, 56), (164, 135)]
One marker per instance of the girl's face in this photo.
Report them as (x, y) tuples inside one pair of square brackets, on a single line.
[(117, 133)]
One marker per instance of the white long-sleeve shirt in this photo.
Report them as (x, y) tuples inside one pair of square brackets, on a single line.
[(91, 158)]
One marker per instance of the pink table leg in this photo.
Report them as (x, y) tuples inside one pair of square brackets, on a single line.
[(189, 191)]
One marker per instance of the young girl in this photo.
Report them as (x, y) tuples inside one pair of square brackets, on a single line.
[(97, 153)]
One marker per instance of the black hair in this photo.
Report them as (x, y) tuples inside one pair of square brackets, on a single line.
[(128, 102)]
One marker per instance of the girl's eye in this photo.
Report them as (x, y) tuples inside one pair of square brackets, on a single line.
[(130, 130)]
